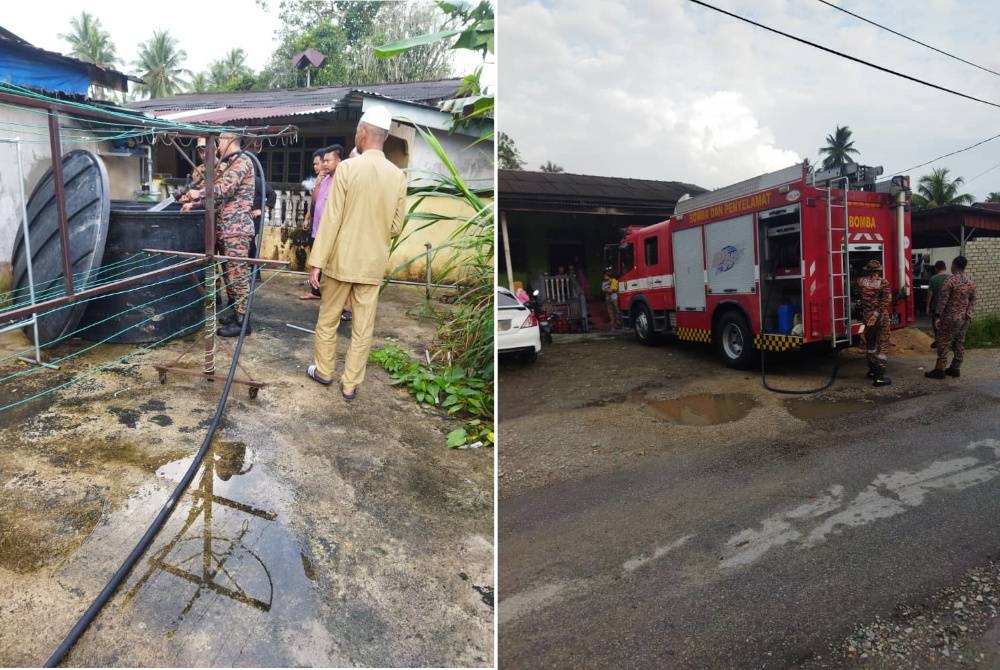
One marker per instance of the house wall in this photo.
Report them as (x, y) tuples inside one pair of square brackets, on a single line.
[(123, 174), (540, 241), (983, 254), (474, 163), (408, 149), (410, 246)]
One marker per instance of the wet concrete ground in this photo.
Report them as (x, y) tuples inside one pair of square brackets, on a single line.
[(316, 533), (760, 530)]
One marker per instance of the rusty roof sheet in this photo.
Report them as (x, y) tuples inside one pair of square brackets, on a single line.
[(421, 92), (226, 114)]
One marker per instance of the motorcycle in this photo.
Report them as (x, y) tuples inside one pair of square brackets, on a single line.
[(544, 327)]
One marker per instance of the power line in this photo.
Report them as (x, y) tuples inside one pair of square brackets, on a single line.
[(847, 56), (947, 155), (907, 37), (986, 171)]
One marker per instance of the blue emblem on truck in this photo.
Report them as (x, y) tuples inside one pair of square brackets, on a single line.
[(725, 259)]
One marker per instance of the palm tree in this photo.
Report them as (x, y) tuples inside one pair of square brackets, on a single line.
[(199, 83), (838, 149), (994, 196), (91, 43), (937, 190), (159, 65), (230, 68), (549, 166)]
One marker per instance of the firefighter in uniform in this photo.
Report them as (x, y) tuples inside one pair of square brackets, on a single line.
[(234, 227), (876, 298), (952, 316)]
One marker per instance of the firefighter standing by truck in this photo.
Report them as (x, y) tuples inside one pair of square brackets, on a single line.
[(876, 299), (952, 317)]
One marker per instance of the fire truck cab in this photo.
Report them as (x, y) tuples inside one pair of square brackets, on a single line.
[(768, 263)]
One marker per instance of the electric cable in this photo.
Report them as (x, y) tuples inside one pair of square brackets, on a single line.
[(947, 155), (847, 56), (907, 37), (984, 172), (161, 518)]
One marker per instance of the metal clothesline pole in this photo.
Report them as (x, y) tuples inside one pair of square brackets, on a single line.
[(29, 264)]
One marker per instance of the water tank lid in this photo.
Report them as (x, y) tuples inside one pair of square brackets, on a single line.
[(88, 208)]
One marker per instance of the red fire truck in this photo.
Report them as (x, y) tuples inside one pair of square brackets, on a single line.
[(768, 263)]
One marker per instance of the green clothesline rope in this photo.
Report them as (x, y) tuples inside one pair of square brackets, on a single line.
[(114, 362), (34, 370), (98, 297), (7, 295), (58, 288)]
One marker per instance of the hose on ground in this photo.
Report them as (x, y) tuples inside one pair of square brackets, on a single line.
[(168, 507)]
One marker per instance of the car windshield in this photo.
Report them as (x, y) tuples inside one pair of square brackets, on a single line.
[(505, 299)]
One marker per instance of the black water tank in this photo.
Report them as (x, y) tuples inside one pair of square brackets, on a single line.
[(157, 315)]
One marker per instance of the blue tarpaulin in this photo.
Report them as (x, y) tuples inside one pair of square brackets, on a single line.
[(20, 69)]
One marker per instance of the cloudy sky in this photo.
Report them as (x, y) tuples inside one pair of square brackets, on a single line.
[(206, 30), (667, 89), (199, 26)]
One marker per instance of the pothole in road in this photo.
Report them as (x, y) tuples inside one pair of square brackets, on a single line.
[(808, 409), (705, 409), (823, 408)]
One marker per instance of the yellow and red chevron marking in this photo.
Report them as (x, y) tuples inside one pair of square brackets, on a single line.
[(694, 334), (775, 342)]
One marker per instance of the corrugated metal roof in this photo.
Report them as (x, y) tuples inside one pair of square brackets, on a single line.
[(423, 92), (227, 114), (560, 184)]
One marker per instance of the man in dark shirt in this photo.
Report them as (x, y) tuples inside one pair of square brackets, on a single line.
[(933, 291)]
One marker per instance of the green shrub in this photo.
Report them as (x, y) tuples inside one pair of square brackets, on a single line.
[(984, 331), (456, 390)]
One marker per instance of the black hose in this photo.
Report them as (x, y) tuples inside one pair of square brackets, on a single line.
[(168, 507), (773, 389)]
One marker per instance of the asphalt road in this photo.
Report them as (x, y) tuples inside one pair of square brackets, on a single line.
[(756, 552)]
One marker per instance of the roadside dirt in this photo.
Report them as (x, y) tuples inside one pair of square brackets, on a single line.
[(592, 405), (318, 532)]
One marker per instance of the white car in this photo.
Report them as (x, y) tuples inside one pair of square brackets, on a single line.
[(517, 329)]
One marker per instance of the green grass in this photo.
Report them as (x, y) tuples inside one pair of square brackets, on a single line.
[(984, 331)]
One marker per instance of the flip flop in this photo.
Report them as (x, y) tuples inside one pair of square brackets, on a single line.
[(348, 396), (308, 296), (346, 315), (311, 373)]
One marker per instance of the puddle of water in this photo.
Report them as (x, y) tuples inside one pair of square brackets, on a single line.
[(808, 409), (225, 579), (705, 409)]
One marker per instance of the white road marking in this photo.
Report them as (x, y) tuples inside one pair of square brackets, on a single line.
[(888, 495), (540, 597), (639, 561)]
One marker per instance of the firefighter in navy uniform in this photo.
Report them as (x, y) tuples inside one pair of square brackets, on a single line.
[(876, 299)]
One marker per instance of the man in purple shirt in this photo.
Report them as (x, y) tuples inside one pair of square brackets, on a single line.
[(331, 158)]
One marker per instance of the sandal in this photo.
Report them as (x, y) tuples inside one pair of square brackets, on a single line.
[(308, 296), (346, 315), (348, 396), (311, 373)]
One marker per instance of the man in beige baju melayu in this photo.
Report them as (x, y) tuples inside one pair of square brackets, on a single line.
[(363, 212)]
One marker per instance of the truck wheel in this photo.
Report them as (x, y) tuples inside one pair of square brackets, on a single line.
[(642, 323), (734, 341)]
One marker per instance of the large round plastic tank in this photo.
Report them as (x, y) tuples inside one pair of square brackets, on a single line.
[(166, 305)]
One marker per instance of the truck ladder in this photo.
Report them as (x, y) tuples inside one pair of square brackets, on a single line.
[(840, 289)]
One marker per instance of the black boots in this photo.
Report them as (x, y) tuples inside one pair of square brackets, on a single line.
[(953, 372), (233, 328), (935, 374)]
